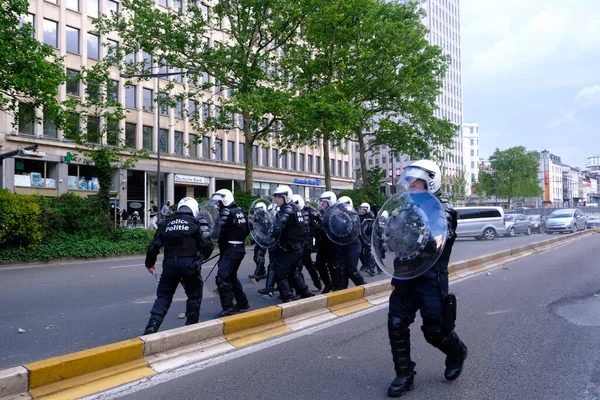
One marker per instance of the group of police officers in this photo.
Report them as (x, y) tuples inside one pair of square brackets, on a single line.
[(187, 240)]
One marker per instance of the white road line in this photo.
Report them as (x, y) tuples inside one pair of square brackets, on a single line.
[(128, 266), (64, 264)]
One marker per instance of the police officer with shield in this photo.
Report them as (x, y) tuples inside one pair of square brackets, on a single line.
[(310, 222), (186, 238), (427, 292), (366, 258), (259, 255), (234, 230), (287, 255), (349, 253)]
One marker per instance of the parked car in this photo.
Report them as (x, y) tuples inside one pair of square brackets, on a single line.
[(517, 223), (538, 223), (593, 221), (480, 222), (566, 220)]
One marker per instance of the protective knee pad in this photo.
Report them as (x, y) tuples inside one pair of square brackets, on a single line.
[(397, 324), (435, 339), (222, 284)]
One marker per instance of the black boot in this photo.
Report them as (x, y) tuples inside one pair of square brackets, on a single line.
[(284, 291), (270, 283), (454, 363), (259, 272), (454, 349), (226, 296), (152, 326), (399, 335)]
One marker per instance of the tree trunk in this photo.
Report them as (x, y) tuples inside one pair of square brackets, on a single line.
[(362, 159), (248, 164), (326, 161)]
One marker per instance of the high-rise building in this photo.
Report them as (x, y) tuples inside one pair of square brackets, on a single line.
[(191, 164), (442, 18), (470, 136), (550, 177)]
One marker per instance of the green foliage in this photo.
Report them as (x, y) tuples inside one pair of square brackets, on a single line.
[(514, 174), (20, 220), (122, 241), (360, 196), (244, 200), (72, 214), (31, 72)]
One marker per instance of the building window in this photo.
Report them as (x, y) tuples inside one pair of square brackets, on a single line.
[(301, 161), (384, 160), (72, 82), (26, 119), (284, 161), (93, 130), (472, 153), (218, 150), (179, 109), (255, 155), (163, 140), (112, 133), (130, 96), (206, 147), (472, 164), (147, 99), (51, 33), (164, 106), (241, 153), (50, 129), (72, 40), (293, 161), (205, 111), (147, 60), (332, 167), (471, 129), (193, 146), (73, 5), (310, 163), (112, 6), (178, 136), (93, 8), (114, 91), (230, 147), (339, 169), (72, 128), (147, 137), (192, 110), (130, 135), (265, 157), (346, 169), (318, 164), (472, 142), (370, 161), (274, 157), (163, 3), (93, 46)]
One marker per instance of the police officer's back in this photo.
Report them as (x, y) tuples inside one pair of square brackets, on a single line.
[(186, 239)]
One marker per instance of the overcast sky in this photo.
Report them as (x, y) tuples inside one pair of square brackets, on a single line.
[(531, 75)]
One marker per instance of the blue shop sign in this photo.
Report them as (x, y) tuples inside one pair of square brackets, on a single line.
[(316, 182)]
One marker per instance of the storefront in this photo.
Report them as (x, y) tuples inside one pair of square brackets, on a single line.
[(190, 186)]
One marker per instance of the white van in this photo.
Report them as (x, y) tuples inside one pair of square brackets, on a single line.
[(481, 222)]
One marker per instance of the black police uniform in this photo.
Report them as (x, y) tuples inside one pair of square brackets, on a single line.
[(187, 241), (287, 255), (234, 230), (366, 256), (348, 263), (429, 293), (327, 258), (311, 220), (259, 260)]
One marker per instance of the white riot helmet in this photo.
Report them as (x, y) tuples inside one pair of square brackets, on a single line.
[(366, 207), (298, 200), (328, 197), (427, 171), (224, 196), (261, 206), (285, 192), (345, 200), (188, 205)]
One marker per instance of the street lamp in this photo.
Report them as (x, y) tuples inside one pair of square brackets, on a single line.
[(157, 75), (27, 150)]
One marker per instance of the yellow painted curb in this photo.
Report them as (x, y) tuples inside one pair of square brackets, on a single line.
[(250, 319), (350, 307), (257, 334), (345, 296)]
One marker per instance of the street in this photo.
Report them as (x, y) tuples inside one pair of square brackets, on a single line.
[(74, 306), (531, 328)]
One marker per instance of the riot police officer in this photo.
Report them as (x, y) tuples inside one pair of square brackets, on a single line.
[(234, 230), (259, 256), (327, 251), (366, 258), (287, 254), (349, 255), (269, 289), (427, 292), (310, 220), (187, 241)]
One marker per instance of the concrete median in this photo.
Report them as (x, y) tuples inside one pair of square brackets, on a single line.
[(98, 369)]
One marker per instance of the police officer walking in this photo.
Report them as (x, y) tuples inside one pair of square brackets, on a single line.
[(187, 241), (234, 230), (349, 255), (311, 217), (327, 251), (259, 256), (366, 258), (287, 255), (427, 292)]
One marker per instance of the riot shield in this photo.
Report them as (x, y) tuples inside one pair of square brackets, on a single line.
[(341, 224)]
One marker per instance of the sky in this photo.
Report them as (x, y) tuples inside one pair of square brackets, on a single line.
[(531, 75)]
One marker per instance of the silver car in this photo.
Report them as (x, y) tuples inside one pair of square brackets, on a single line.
[(566, 220), (480, 222), (517, 223)]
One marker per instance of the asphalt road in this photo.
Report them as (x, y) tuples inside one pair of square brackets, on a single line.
[(74, 306), (532, 328)]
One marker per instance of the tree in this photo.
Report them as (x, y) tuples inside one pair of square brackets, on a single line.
[(486, 184), (515, 174), (459, 186), (31, 72)]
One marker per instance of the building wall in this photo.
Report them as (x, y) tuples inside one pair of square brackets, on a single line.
[(551, 179), (304, 169), (470, 133)]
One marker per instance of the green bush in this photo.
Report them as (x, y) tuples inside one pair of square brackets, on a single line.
[(122, 241), (359, 196), (21, 223), (244, 200), (73, 214)]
